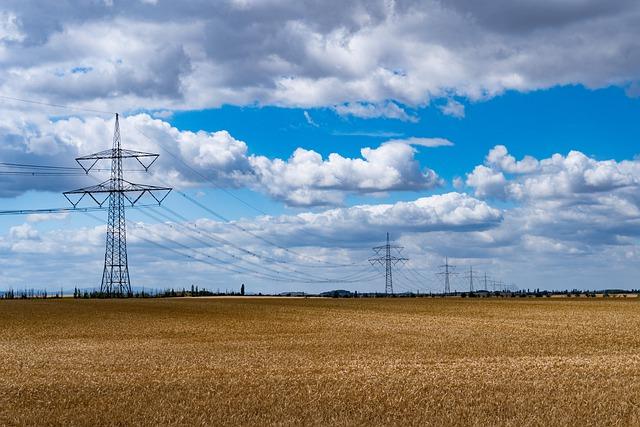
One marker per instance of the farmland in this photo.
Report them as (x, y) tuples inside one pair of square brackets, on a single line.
[(320, 361)]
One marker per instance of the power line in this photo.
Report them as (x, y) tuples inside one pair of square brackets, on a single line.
[(234, 224), (216, 185), (418, 273), (219, 263), (243, 229), (224, 241), (25, 173), (32, 166), (204, 177), (413, 286), (267, 241), (23, 168), (225, 265), (185, 227), (48, 104), (64, 210), (429, 282)]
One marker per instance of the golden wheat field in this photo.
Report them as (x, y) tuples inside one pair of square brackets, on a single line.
[(287, 361)]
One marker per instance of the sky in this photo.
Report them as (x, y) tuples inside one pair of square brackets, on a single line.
[(499, 135)]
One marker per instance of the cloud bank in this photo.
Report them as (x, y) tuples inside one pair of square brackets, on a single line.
[(369, 60), (212, 159)]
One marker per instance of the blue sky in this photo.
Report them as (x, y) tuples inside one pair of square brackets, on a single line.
[(537, 123), (460, 135), (599, 123)]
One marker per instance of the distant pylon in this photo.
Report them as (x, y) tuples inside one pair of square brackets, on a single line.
[(115, 275), (448, 271), (496, 284), (388, 261), (470, 275)]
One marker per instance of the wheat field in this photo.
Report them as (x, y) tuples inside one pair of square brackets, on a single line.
[(297, 361)]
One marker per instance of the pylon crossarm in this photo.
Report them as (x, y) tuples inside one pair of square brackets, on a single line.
[(133, 202), (105, 154), (96, 200), (146, 167), (162, 198), (139, 187), (390, 247), (133, 153), (116, 154), (70, 201), (126, 187), (110, 185), (104, 187), (87, 169)]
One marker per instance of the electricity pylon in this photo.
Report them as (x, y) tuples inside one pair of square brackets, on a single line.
[(388, 261), (471, 275), (115, 276), (448, 271)]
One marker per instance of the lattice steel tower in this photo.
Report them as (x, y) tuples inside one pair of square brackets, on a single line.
[(115, 275), (388, 261), (471, 275), (448, 271)]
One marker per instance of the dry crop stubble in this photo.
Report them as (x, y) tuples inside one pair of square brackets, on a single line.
[(320, 361)]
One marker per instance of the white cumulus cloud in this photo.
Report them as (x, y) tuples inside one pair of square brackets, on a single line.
[(373, 59), (209, 158)]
